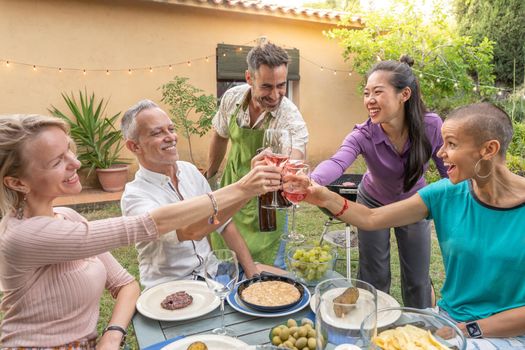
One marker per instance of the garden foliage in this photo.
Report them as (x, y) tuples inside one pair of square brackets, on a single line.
[(503, 22), (452, 69), (186, 101)]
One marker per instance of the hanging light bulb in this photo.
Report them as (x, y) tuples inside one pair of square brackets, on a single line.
[(207, 59), (34, 68), (60, 70), (420, 75), (500, 93), (456, 84), (150, 70), (322, 68), (475, 88), (170, 67), (107, 71), (84, 71), (7, 63), (240, 49), (438, 80), (224, 54), (129, 71), (189, 63), (349, 74), (335, 72)]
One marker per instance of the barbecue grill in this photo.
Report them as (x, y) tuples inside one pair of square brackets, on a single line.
[(346, 238)]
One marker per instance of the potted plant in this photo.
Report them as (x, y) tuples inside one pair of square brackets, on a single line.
[(183, 99), (98, 141)]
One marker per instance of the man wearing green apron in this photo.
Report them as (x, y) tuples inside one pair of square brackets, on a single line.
[(245, 112)]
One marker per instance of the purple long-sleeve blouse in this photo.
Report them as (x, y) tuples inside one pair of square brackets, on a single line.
[(385, 173)]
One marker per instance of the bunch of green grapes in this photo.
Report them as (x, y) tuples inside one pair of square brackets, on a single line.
[(295, 336), (311, 264)]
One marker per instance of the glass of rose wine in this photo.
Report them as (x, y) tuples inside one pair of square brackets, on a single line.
[(294, 169), (279, 142)]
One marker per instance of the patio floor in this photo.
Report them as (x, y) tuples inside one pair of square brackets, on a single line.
[(88, 197)]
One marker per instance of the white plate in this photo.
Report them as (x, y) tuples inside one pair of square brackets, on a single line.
[(237, 304), (204, 301), (353, 320), (212, 341)]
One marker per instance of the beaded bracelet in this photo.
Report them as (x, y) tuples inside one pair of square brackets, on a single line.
[(213, 220), (345, 207)]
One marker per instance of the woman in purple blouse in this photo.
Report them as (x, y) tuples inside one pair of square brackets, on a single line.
[(396, 142)]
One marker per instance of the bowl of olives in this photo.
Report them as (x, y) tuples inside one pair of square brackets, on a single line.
[(311, 264), (295, 334)]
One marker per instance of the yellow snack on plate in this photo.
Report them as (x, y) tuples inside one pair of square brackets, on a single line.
[(407, 337)]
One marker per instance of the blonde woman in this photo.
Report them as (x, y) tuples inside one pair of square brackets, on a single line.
[(54, 264)]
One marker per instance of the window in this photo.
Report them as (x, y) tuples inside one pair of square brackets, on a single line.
[(231, 65)]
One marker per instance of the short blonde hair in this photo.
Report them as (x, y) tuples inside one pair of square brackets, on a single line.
[(15, 131)]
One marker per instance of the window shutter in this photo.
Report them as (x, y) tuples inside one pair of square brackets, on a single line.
[(231, 62)]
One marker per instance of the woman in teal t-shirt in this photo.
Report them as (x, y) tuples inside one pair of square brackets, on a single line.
[(479, 213)]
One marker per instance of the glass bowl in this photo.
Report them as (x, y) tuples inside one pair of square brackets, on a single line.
[(311, 264), (442, 329)]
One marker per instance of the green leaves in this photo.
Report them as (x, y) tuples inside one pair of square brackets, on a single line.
[(449, 65), (184, 100), (98, 142)]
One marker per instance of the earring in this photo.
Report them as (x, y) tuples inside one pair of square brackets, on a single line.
[(21, 207), (477, 168)]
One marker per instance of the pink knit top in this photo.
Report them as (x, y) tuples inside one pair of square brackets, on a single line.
[(53, 272)]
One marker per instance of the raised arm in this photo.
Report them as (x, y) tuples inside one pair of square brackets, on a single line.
[(400, 213), (329, 170), (260, 179)]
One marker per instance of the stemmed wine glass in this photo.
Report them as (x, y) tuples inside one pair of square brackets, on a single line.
[(294, 169), (221, 271), (279, 142), (345, 313)]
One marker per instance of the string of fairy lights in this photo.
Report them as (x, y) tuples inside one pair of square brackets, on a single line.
[(10, 64)]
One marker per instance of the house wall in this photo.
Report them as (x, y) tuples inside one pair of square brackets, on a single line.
[(130, 34)]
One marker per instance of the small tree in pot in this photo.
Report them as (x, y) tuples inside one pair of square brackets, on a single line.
[(98, 141), (183, 99)]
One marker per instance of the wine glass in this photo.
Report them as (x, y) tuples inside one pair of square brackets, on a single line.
[(279, 142), (339, 320), (221, 272), (294, 169)]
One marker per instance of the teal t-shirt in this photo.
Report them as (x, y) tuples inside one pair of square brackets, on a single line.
[(483, 251)]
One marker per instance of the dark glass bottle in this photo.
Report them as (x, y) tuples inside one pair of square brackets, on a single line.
[(267, 217)]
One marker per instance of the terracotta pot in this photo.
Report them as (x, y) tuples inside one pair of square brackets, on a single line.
[(113, 179)]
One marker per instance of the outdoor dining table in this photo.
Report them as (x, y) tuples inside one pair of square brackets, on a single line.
[(252, 330)]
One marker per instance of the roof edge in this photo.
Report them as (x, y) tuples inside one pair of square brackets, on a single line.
[(258, 8)]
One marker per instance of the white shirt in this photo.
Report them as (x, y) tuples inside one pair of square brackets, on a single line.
[(286, 116), (166, 259)]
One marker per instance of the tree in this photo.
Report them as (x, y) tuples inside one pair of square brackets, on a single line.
[(452, 69), (185, 99), (503, 22)]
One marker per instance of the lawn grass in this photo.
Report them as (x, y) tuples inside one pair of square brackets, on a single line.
[(310, 221)]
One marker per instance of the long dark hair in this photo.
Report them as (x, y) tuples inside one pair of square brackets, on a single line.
[(401, 77)]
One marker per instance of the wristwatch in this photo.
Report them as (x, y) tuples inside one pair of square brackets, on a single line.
[(114, 327), (473, 330)]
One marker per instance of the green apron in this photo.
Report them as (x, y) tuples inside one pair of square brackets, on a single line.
[(244, 145)]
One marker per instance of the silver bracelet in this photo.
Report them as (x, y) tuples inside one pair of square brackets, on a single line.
[(213, 220)]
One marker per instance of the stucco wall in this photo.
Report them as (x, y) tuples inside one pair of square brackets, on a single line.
[(128, 34)]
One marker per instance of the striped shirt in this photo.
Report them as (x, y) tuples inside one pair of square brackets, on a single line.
[(53, 272)]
